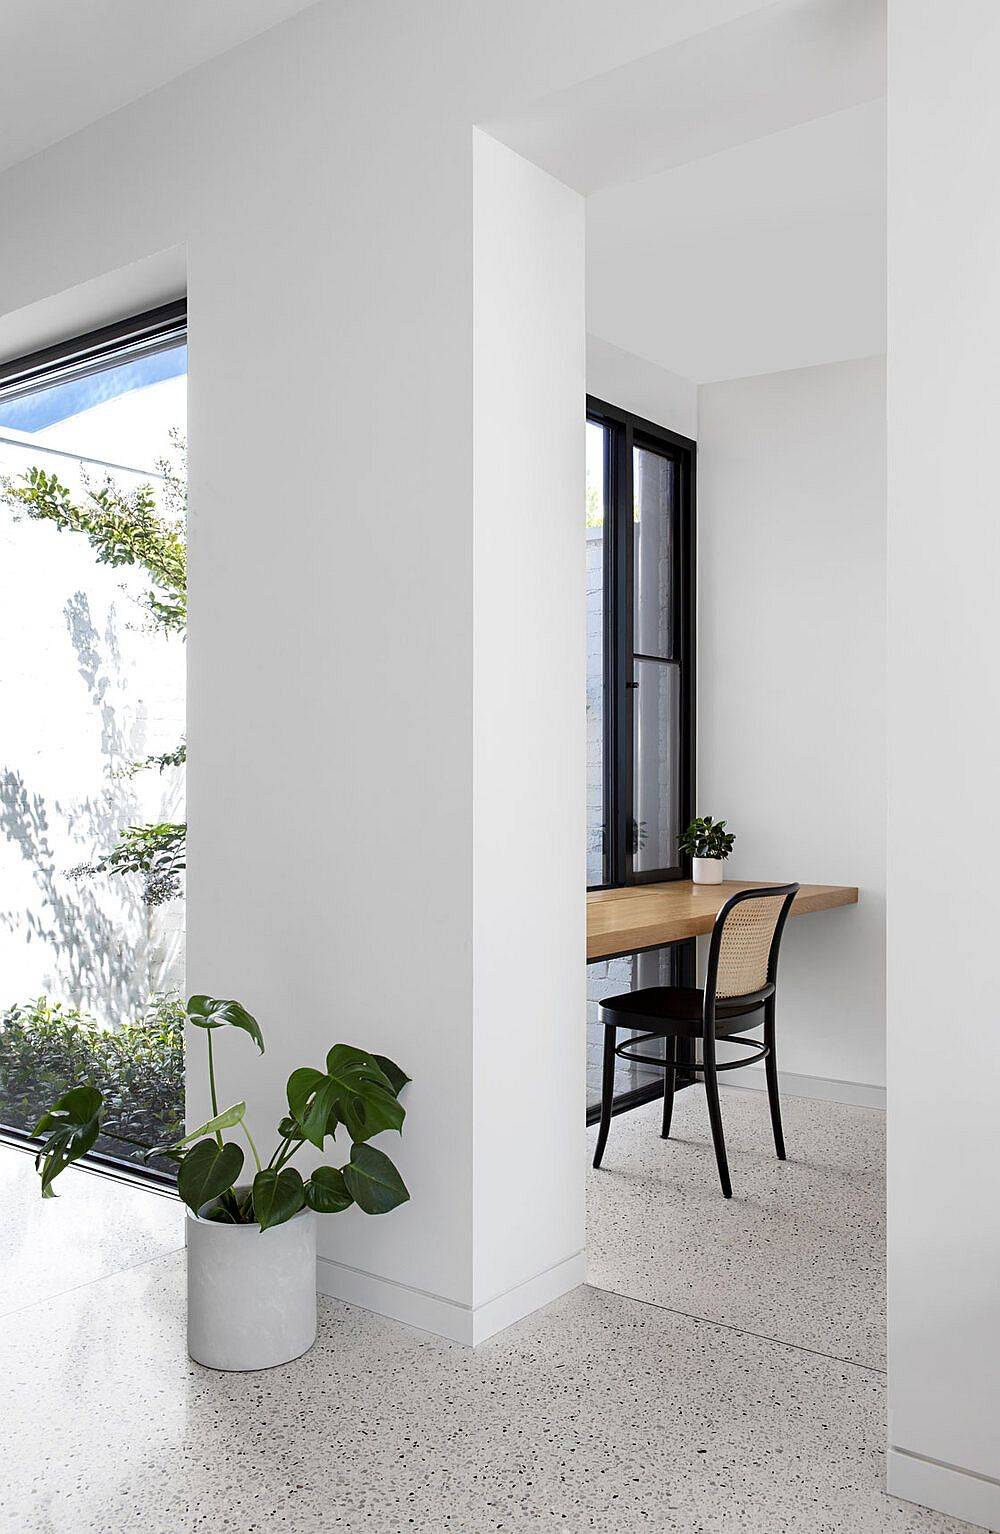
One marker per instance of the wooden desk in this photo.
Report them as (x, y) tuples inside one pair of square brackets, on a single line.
[(642, 916)]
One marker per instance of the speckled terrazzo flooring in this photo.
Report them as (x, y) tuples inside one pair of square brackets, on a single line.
[(599, 1412), (93, 1229), (797, 1254)]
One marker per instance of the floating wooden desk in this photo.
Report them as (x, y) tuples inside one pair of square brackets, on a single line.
[(641, 916)]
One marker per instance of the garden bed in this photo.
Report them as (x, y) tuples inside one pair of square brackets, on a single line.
[(46, 1048)]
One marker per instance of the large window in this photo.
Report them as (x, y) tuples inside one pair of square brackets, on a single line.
[(92, 822), (640, 684)]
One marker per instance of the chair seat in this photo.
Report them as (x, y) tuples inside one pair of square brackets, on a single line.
[(678, 1010)]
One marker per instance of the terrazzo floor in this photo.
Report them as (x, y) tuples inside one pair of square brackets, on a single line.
[(798, 1252), (599, 1412)]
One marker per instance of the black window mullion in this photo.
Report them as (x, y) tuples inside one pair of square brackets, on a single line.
[(626, 638)]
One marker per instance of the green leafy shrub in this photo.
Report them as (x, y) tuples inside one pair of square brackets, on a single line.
[(138, 1068), (157, 852), (123, 527)]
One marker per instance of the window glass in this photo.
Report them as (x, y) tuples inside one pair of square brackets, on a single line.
[(92, 617), (654, 563), (596, 500)]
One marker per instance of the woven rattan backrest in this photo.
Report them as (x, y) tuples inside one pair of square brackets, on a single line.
[(745, 946)]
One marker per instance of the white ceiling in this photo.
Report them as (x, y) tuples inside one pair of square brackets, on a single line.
[(736, 190), (765, 257), (783, 63), (68, 62)]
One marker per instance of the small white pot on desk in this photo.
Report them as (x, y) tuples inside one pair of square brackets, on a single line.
[(707, 870), (251, 1293)]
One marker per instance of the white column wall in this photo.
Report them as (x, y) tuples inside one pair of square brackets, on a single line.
[(944, 808), (529, 649), (791, 689)]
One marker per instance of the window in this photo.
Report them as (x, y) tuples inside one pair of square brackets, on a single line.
[(640, 687), (92, 821), (640, 642)]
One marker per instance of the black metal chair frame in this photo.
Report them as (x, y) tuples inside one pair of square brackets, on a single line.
[(708, 1066)]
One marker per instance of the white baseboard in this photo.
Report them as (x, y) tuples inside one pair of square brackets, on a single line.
[(857, 1094), (945, 1488), (469, 1324)]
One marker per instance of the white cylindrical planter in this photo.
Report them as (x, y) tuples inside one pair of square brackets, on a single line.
[(707, 870), (251, 1294)]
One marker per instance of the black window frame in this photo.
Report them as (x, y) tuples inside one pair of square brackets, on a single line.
[(623, 432), (94, 351)]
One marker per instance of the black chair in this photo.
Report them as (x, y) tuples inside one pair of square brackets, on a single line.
[(740, 983)]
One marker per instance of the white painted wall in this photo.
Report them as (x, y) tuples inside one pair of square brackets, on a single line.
[(529, 649), (621, 378), (944, 695), (791, 686), (320, 178), (87, 686)]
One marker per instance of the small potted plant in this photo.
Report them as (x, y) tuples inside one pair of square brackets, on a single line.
[(251, 1240), (708, 844)]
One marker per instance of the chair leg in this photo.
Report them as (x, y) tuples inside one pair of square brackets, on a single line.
[(607, 1090), (669, 1085), (771, 1072), (715, 1117)]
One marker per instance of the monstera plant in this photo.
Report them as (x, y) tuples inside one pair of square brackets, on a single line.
[(357, 1091), (253, 1307)]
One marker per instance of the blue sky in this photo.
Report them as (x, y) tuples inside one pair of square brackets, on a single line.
[(33, 412)]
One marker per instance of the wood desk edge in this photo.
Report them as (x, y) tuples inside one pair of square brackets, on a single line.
[(640, 930)]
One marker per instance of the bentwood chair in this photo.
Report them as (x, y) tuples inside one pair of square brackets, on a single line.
[(740, 981)]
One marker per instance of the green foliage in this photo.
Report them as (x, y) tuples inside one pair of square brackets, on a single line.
[(373, 1181), (208, 1170), (138, 1069), (706, 838), (70, 1126), (161, 760), (277, 1196), (158, 852), (358, 1090), (126, 527), (209, 1012), (123, 527)]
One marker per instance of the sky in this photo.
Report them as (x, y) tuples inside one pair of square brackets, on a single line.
[(33, 412)]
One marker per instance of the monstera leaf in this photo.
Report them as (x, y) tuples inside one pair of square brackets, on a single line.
[(311, 1102), (207, 1171), (364, 1099), (327, 1192), (70, 1127), (210, 1012), (373, 1181), (228, 1119), (354, 1090), (277, 1196), (396, 1077)]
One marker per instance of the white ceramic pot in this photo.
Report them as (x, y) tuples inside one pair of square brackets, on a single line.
[(251, 1294), (707, 870)]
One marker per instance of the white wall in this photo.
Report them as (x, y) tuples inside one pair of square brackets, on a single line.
[(528, 683), (620, 378), (944, 698), (320, 178), (791, 687)]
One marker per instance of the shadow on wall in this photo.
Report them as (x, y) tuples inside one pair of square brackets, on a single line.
[(97, 944), (95, 962)]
